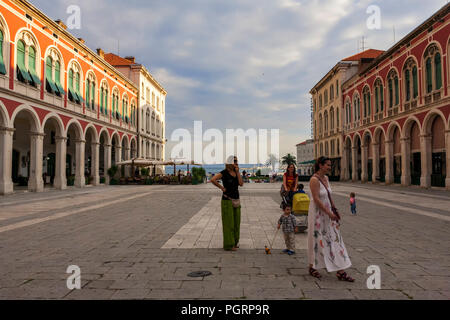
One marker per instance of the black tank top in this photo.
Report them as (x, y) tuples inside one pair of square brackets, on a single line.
[(231, 185)]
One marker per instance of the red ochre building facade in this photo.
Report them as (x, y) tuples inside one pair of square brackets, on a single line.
[(396, 111), (66, 115)]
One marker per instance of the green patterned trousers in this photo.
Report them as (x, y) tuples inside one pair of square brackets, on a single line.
[(231, 224)]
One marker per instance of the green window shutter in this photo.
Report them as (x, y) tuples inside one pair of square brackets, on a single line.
[(32, 65), (415, 82), (381, 98), (429, 76), (377, 99), (22, 72), (50, 87), (70, 79), (58, 77), (93, 95), (2, 61), (101, 100), (396, 90), (106, 102), (438, 70), (87, 93), (391, 98), (77, 82), (21, 54), (32, 60), (370, 107), (407, 85)]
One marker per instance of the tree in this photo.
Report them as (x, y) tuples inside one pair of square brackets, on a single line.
[(288, 160)]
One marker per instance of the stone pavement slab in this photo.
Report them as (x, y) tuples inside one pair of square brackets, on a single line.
[(123, 252)]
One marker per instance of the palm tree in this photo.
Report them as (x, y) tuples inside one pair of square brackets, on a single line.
[(288, 160)]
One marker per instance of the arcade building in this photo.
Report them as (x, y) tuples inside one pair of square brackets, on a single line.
[(396, 111), (66, 114)]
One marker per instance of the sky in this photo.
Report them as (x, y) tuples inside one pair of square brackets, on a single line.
[(240, 63)]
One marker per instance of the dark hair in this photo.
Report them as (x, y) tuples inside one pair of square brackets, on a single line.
[(286, 205), (295, 169), (352, 194), (320, 161), (301, 186)]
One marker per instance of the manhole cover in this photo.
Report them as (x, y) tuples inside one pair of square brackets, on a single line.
[(196, 274)]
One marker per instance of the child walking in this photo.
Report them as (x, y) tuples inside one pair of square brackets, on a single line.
[(353, 203), (287, 220)]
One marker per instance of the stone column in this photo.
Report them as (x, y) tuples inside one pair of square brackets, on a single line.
[(35, 181), (6, 144), (447, 159), (127, 157), (364, 159), (389, 145), (118, 159), (80, 180), (95, 163), (107, 161), (60, 166), (406, 160), (425, 159), (375, 161), (344, 164), (354, 164)]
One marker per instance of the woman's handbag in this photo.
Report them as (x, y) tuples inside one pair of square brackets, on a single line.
[(236, 203), (333, 208)]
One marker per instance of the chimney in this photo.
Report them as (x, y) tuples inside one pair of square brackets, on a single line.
[(61, 24), (101, 53), (130, 58), (81, 40)]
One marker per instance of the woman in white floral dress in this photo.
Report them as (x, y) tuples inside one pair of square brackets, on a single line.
[(326, 248)]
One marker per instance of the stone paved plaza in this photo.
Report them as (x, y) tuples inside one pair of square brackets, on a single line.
[(140, 242)]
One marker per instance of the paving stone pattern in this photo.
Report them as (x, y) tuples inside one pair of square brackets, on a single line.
[(123, 251)]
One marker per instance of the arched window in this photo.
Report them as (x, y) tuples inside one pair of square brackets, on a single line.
[(411, 81), (90, 91), (125, 111), (104, 98), (393, 89), (379, 100), (325, 97), (74, 83), (325, 121), (331, 93), (26, 60), (366, 97), (53, 73), (332, 118), (320, 101), (337, 118), (356, 108), (2, 59), (433, 66), (320, 125), (115, 104)]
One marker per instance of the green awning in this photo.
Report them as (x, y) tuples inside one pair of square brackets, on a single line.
[(60, 88), (35, 78), (24, 73), (308, 162), (2, 68), (51, 85)]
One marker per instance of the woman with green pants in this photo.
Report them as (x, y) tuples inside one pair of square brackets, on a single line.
[(231, 208)]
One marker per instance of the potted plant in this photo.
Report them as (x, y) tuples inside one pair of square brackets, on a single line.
[(71, 180), (111, 173)]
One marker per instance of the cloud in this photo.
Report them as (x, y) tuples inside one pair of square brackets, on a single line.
[(240, 63)]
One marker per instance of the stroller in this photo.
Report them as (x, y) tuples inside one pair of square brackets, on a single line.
[(300, 206)]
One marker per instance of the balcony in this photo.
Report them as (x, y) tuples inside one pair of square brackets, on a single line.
[(437, 96)]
